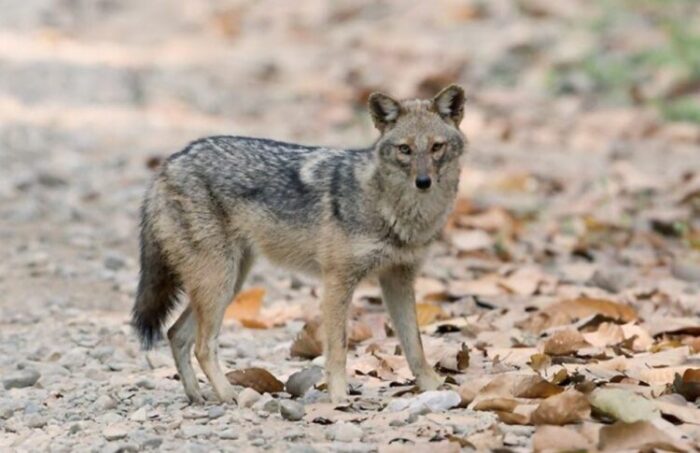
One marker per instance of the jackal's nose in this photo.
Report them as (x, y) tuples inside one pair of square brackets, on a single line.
[(423, 182)]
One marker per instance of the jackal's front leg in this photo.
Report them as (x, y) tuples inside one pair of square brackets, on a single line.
[(337, 292), (399, 297)]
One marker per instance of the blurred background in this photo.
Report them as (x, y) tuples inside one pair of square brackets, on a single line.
[(583, 117)]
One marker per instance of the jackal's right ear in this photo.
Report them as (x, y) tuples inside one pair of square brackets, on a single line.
[(384, 110)]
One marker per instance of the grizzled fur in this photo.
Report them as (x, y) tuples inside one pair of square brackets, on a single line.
[(342, 215)]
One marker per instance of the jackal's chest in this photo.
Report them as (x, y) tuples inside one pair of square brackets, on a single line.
[(375, 254)]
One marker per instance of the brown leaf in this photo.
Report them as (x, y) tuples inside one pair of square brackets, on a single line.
[(539, 362), (524, 281), (455, 362), (685, 412), (463, 357), (568, 311), (560, 376), (688, 385), (642, 435), (493, 220), (536, 387), (259, 379), (359, 332), (428, 313), (471, 240), (496, 404), (486, 285), (558, 438), (467, 393), (607, 334), (307, 343), (513, 418), (430, 289), (564, 342), (245, 308), (570, 406)]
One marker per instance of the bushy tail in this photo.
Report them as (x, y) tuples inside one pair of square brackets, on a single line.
[(158, 290)]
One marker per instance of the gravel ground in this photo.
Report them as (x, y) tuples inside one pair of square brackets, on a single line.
[(93, 94)]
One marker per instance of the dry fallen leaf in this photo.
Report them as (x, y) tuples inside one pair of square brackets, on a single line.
[(638, 436), (524, 281), (493, 220), (536, 387), (259, 379), (570, 406), (486, 285), (682, 410), (471, 240), (307, 343), (558, 438), (539, 362), (455, 361), (430, 289), (568, 311), (496, 404), (428, 313), (564, 342), (622, 405), (358, 332), (688, 385), (245, 308), (607, 334), (512, 418)]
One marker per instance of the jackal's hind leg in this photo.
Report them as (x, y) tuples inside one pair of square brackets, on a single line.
[(213, 295), (181, 336)]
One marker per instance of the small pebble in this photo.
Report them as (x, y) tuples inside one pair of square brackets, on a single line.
[(105, 402), (229, 434), (21, 379), (291, 410), (114, 262), (397, 422), (216, 412), (36, 421), (139, 415), (247, 397), (146, 384), (115, 432), (301, 381), (192, 430), (152, 442), (344, 432)]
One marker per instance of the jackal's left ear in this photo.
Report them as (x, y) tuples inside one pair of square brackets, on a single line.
[(384, 110), (449, 104)]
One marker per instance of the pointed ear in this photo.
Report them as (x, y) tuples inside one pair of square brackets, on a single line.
[(384, 110), (449, 104)]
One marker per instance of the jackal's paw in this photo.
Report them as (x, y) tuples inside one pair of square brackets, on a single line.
[(227, 396), (429, 381), (195, 398), (339, 397), (338, 390)]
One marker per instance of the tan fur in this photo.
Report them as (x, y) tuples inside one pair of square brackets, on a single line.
[(209, 230)]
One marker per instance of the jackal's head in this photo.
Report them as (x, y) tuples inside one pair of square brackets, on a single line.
[(420, 140)]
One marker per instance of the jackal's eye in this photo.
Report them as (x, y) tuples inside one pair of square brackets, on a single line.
[(405, 149), (437, 147)]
